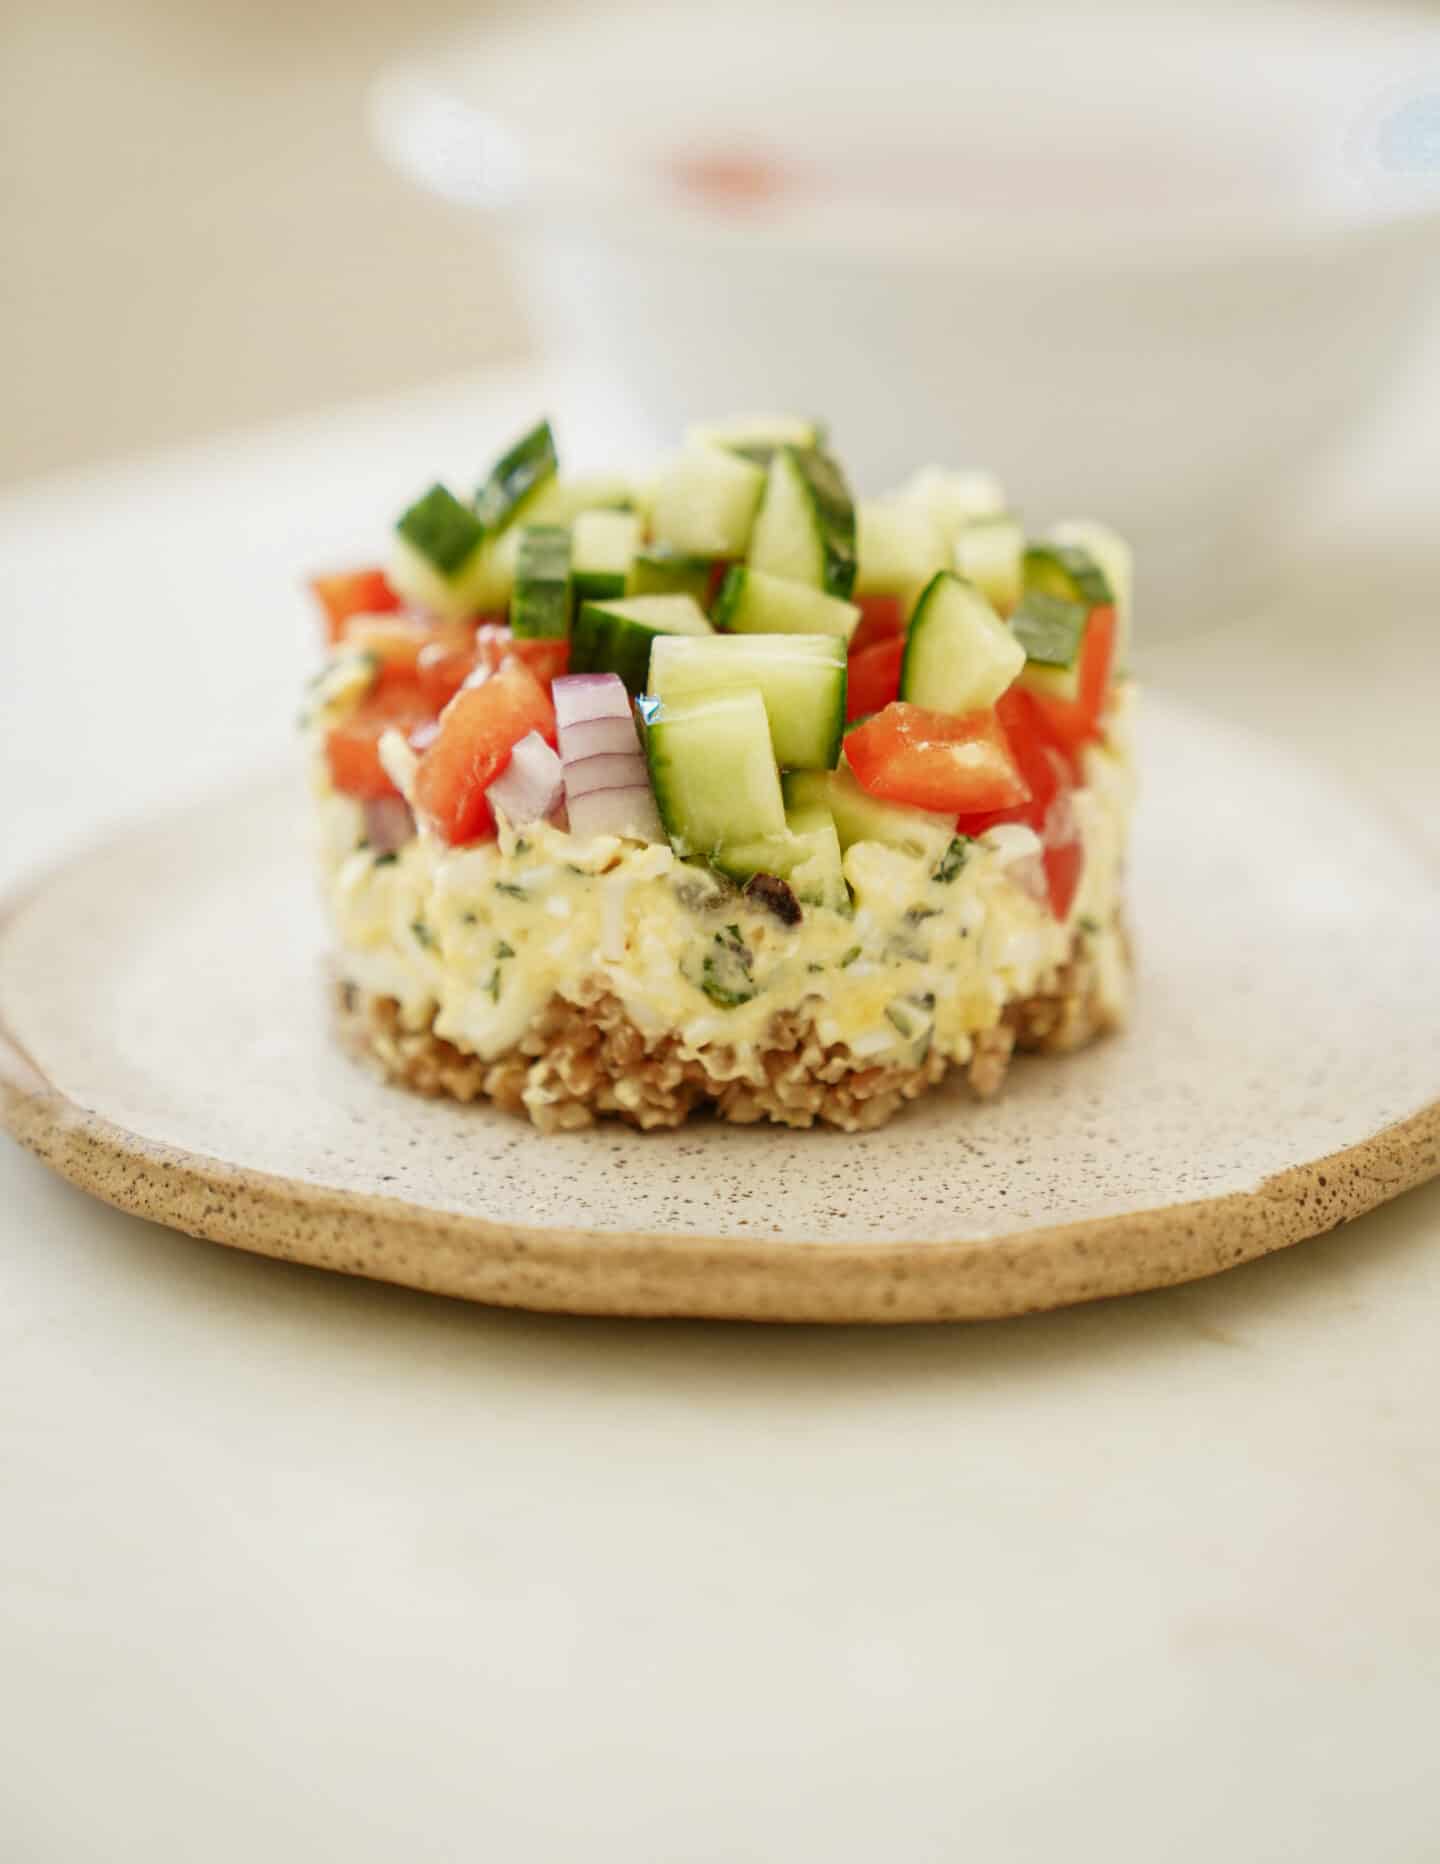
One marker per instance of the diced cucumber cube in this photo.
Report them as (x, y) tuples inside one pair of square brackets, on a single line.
[(1051, 629), (561, 500), (495, 578), (437, 557), (959, 655), (954, 498), (705, 503), (543, 598), (603, 547), (757, 435), (1065, 570), (515, 478), (806, 857), (751, 602), (658, 571), (900, 548), (713, 771), (800, 677), (989, 553), (862, 817), (616, 637), (1117, 564), (805, 529)]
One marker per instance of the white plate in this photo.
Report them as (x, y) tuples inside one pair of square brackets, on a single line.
[(164, 1029)]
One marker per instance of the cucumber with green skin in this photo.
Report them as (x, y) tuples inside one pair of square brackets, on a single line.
[(704, 503), (1051, 629), (617, 636), (543, 598), (805, 528), (800, 678), (516, 476), (658, 571), (1065, 570), (1117, 564), (713, 771), (756, 436), (806, 856), (603, 548), (438, 555), (563, 499), (959, 655), (861, 817), (752, 602)]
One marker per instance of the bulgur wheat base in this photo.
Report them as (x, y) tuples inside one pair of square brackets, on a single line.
[(584, 1058)]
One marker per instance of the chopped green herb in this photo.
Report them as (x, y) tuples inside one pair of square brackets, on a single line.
[(493, 987), (521, 845), (502, 950), (850, 956), (388, 859), (726, 976), (423, 935), (1086, 924), (953, 860), (468, 919), (508, 886), (916, 915), (812, 966)]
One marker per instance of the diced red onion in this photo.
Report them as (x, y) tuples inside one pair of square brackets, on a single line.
[(389, 824), (627, 809), (614, 770), (593, 737), (582, 696), (607, 785), (531, 785)]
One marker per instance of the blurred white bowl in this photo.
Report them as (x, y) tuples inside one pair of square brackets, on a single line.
[(1149, 267)]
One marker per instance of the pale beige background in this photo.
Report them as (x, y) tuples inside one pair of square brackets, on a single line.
[(195, 230)]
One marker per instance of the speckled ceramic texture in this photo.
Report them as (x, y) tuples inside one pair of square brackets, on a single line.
[(168, 1047)]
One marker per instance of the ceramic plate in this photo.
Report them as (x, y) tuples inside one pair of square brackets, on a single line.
[(166, 1045)]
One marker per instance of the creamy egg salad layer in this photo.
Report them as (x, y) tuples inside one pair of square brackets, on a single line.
[(723, 745), (475, 941)]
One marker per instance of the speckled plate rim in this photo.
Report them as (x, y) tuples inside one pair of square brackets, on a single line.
[(653, 1274)]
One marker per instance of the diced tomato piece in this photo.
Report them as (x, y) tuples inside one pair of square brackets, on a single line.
[(957, 766), (546, 659), (1047, 770), (352, 592), (881, 617), (447, 659), (480, 728), (396, 641), (1075, 721), (444, 665), (1064, 866), (873, 678), (352, 748)]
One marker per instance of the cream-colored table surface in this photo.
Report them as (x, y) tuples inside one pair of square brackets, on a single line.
[(294, 1567)]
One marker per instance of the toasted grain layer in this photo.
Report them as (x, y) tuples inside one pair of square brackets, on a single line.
[(582, 1059)]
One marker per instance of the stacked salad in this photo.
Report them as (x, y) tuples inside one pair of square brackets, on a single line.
[(736, 657)]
